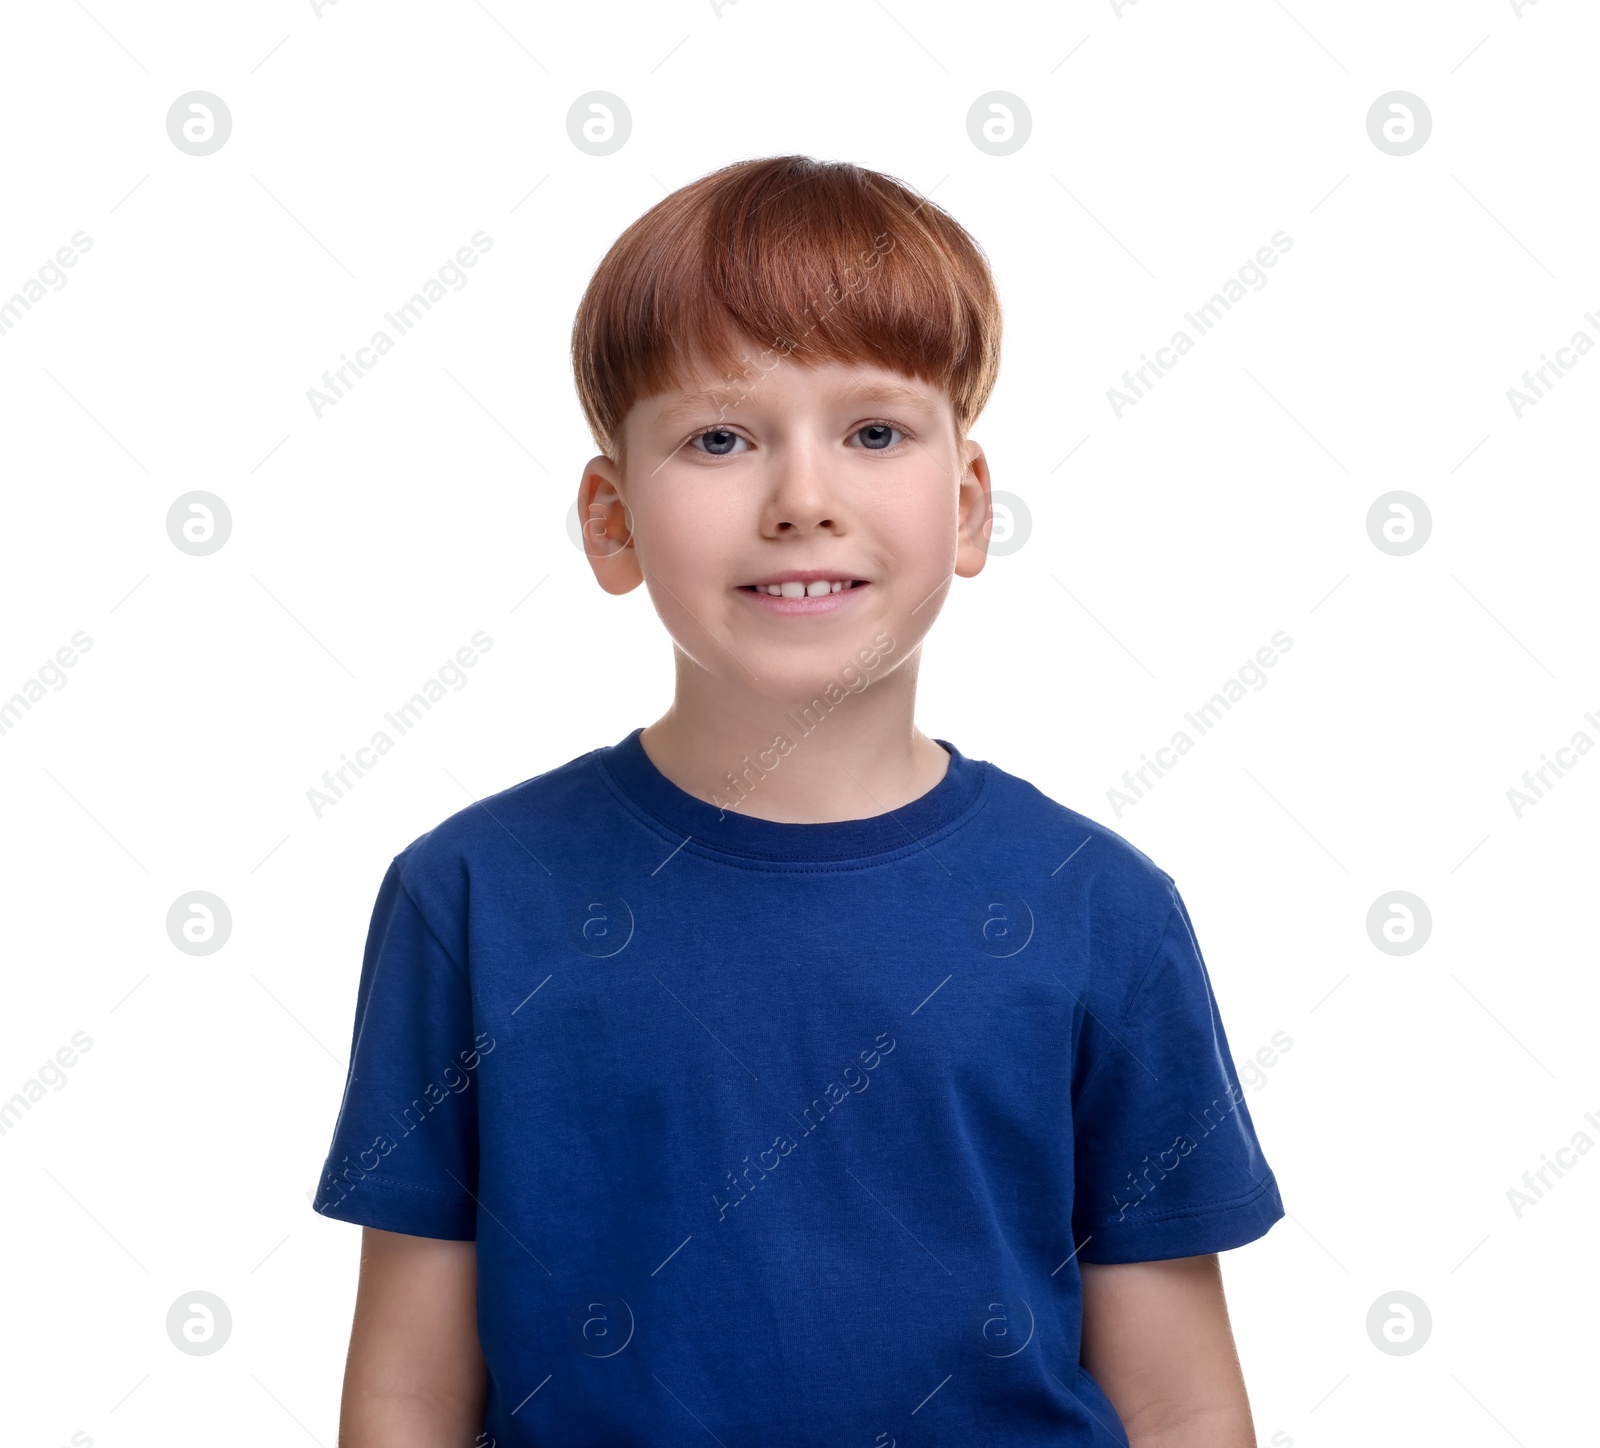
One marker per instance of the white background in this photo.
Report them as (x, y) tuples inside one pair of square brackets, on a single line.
[(1169, 142)]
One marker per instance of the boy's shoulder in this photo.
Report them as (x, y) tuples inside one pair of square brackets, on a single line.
[(1111, 865), (516, 823), (558, 811), (1031, 806)]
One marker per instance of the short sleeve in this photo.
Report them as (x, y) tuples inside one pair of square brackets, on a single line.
[(405, 1147), (1166, 1160)]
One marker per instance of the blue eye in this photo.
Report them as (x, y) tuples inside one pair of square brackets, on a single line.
[(719, 442), (875, 436)]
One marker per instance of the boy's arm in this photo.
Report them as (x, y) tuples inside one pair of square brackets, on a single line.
[(415, 1375), (1157, 1340)]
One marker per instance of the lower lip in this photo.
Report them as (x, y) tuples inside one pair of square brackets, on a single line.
[(791, 607)]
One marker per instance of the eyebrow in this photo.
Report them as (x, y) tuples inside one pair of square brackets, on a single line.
[(896, 393), (694, 401), (868, 390)]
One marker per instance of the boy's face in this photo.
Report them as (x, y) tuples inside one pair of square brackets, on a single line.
[(851, 474)]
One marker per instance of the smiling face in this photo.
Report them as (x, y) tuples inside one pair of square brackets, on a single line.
[(782, 522)]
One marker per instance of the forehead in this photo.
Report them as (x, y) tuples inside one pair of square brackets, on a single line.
[(773, 381)]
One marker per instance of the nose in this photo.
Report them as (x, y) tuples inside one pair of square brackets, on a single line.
[(803, 490)]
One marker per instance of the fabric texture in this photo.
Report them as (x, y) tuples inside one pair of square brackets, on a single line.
[(789, 1133)]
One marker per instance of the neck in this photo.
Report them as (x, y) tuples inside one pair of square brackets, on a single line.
[(839, 752)]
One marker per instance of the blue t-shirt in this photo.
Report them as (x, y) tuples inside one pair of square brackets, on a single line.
[(788, 1133)]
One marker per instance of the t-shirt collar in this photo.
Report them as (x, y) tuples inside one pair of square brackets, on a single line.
[(728, 831)]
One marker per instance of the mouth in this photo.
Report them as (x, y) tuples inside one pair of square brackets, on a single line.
[(796, 598), (815, 588)]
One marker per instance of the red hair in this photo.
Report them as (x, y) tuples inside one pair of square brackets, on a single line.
[(822, 261)]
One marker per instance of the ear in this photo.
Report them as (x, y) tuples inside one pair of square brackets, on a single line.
[(975, 517), (607, 527)]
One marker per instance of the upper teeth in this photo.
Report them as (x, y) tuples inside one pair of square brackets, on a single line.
[(794, 589)]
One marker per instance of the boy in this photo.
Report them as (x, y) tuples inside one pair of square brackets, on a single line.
[(778, 1074)]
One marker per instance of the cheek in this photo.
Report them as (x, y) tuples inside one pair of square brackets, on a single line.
[(689, 534), (918, 526)]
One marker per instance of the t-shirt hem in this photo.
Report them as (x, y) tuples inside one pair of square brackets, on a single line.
[(1193, 1234), (391, 1207)]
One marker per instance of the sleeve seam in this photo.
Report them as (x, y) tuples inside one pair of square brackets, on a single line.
[(1133, 996), (1184, 1214), (428, 924), (406, 1189)]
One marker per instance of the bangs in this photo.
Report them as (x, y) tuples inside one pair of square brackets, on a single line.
[(809, 260)]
